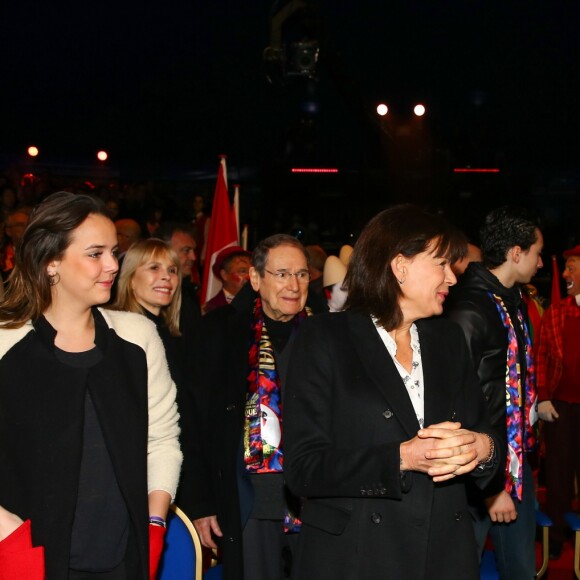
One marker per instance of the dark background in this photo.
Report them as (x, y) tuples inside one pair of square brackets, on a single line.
[(166, 87)]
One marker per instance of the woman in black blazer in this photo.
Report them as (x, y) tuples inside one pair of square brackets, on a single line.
[(384, 417)]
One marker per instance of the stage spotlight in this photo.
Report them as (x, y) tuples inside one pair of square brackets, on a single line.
[(382, 109), (419, 110), (32, 151), (102, 156)]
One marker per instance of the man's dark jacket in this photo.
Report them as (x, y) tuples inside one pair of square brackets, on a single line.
[(471, 306), (213, 481)]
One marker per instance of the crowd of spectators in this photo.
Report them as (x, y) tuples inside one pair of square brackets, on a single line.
[(142, 205), (231, 364)]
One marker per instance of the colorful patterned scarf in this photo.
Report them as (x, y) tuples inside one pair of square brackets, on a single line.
[(263, 424), (521, 409)]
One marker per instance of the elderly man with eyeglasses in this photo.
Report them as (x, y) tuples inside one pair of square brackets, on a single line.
[(233, 487)]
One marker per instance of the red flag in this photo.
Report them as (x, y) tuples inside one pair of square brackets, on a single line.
[(236, 207), (223, 232), (556, 294)]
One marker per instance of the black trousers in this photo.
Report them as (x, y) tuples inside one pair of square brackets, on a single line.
[(119, 573), (267, 550)]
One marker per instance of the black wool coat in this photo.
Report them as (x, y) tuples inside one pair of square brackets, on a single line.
[(213, 481), (346, 413)]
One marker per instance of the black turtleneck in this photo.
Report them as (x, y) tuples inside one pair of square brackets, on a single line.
[(279, 332)]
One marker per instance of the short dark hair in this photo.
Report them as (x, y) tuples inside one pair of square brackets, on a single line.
[(167, 229), (505, 228), (261, 251), (402, 229)]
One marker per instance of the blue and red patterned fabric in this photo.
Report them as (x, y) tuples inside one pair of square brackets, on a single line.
[(521, 404), (263, 415)]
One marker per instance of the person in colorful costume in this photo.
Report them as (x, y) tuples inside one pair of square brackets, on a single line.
[(487, 304), (233, 487), (558, 375)]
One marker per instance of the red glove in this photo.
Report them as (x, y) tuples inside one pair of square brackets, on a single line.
[(18, 559), (156, 535)]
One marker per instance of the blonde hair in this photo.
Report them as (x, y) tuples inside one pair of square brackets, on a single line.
[(137, 255)]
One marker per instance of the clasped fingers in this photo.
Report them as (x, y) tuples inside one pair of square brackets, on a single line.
[(456, 446), (442, 471)]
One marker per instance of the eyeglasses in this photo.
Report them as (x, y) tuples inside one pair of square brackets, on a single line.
[(302, 276)]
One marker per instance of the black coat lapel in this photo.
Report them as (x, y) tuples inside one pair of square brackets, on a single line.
[(376, 360)]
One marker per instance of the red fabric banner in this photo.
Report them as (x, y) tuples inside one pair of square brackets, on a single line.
[(223, 232)]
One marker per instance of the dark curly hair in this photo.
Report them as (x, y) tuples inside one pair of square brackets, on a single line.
[(505, 228)]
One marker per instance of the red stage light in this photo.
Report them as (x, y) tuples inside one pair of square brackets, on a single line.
[(314, 170), (476, 170)]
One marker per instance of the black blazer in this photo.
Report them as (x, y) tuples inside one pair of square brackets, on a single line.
[(346, 413)]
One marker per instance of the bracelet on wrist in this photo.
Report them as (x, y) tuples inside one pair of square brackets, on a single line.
[(488, 461), (157, 521)]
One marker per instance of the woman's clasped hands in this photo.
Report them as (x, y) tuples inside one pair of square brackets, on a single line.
[(444, 450)]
